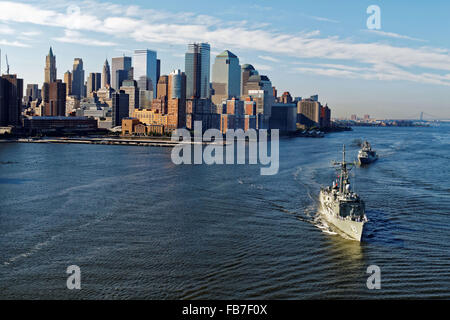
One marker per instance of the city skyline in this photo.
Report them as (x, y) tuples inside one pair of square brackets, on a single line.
[(390, 73)]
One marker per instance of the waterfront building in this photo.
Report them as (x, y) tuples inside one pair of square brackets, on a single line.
[(176, 100), (308, 113), (11, 94), (78, 87), (284, 117), (128, 125), (197, 69), (160, 103), (106, 75), (259, 87), (151, 117), (145, 70), (121, 70), (50, 67), (120, 107), (54, 98), (201, 110), (34, 125), (226, 77), (236, 116), (130, 87), (325, 117)]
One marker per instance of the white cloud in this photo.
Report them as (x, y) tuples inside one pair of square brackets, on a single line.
[(380, 60), (5, 29), (262, 67), (268, 58), (324, 19), (13, 43), (393, 35), (71, 36)]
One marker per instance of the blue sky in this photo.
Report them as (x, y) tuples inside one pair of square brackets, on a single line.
[(305, 47)]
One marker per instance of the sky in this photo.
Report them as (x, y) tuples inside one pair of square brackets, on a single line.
[(305, 47)]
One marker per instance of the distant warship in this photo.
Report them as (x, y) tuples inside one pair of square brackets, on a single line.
[(341, 206), (366, 155)]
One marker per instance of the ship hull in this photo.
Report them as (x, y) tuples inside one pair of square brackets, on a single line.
[(353, 229), (366, 160)]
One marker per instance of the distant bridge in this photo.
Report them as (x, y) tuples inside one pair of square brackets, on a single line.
[(423, 116)]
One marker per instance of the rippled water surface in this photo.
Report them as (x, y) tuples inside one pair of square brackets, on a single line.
[(141, 227)]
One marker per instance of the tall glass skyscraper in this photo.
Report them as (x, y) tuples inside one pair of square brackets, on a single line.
[(78, 78), (145, 68), (226, 77), (120, 71), (197, 69)]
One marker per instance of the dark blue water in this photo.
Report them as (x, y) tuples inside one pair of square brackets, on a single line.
[(140, 227)]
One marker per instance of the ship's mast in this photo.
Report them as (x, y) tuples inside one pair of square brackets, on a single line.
[(343, 176)]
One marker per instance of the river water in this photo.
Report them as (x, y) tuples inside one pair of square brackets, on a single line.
[(140, 227)]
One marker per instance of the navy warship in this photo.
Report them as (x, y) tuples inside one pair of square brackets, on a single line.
[(341, 206), (367, 155)]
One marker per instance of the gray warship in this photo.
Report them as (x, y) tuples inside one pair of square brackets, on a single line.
[(367, 155), (341, 206)]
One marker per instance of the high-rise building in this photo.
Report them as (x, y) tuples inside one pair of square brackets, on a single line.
[(11, 94), (120, 71), (68, 82), (93, 83), (308, 112), (286, 97), (106, 75), (226, 77), (247, 70), (54, 99), (325, 117), (258, 83), (158, 71), (197, 68), (120, 107), (78, 78), (32, 92), (50, 67), (176, 95), (145, 67), (130, 87), (160, 103)]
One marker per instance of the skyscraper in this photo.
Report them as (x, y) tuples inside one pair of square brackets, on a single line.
[(68, 82), (247, 70), (145, 69), (120, 107), (120, 71), (54, 99), (93, 83), (159, 104), (106, 75), (32, 91), (78, 78), (11, 94), (50, 67), (197, 68), (226, 77), (176, 96), (130, 87)]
